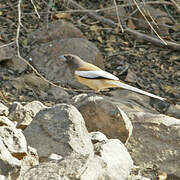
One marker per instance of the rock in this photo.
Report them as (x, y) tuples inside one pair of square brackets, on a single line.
[(43, 171), (3, 110), (30, 160), (24, 114), (59, 94), (14, 141), (95, 170), (32, 82), (56, 30), (16, 64), (9, 165), (4, 121), (160, 106), (97, 137), (18, 113), (6, 52), (45, 59), (15, 157), (34, 107), (101, 114), (174, 111), (7, 56), (59, 130), (2, 177), (118, 166), (155, 136), (137, 177), (69, 168), (155, 140), (112, 161)]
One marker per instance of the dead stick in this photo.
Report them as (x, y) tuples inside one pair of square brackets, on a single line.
[(136, 34)]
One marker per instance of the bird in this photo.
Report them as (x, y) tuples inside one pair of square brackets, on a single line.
[(96, 78)]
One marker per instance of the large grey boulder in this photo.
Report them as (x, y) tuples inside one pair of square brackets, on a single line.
[(46, 59), (111, 161), (102, 114), (60, 130)]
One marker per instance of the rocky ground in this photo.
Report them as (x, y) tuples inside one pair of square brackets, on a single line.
[(148, 128)]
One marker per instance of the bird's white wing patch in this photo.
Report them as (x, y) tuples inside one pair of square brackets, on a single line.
[(96, 75)]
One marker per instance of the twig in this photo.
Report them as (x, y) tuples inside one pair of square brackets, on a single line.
[(136, 34), (17, 44), (6, 19), (176, 5), (149, 14), (154, 23), (169, 14), (118, 17), (153, 40), (47, 16), (103, 9), (7, 44), (35, 9), (25, 61), (149, 22), (18, 27)]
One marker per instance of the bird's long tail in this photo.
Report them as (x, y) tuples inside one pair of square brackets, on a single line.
[(134, 89)]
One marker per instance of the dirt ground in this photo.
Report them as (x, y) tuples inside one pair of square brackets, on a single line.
[(142, 64)]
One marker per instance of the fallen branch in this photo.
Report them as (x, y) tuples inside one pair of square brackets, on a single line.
[(136, 34), (4, 45)]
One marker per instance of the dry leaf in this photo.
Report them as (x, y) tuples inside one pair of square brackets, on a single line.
[(99, 38), (109, 49), (162, 176), (131, 76), (169, 89), (63, 15), (176, 27), (94, 28), (131, 24), (2, 96), (112, 39)]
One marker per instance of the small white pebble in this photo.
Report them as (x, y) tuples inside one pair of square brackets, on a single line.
[(55, 156), (30, 59)]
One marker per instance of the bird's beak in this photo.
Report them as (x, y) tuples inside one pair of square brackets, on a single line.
[(62, 58)]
